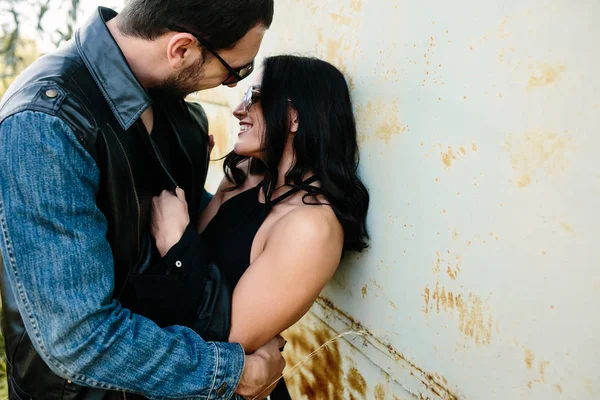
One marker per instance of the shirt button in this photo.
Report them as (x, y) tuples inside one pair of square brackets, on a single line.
[(51, 93), (178, 264), (222, 389)]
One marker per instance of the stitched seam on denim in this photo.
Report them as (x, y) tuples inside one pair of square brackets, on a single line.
[(216, 370), (100, 84), (19, 288)]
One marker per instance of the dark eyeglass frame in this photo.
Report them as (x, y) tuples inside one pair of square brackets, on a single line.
[(251, 94), (235, 74)]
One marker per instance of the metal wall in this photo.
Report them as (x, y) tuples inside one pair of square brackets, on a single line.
[(479, 134)]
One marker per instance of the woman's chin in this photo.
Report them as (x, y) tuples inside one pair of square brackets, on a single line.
[(241, 151)]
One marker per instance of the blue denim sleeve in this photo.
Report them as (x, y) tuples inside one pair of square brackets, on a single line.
[(60, 267)]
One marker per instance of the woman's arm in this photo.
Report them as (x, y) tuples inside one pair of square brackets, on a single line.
[(300, 256)]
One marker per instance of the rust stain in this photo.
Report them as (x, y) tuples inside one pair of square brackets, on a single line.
[(372, 125), (341, 19), (566, 226), (357, 382), (543, 366), (426, 378), (502, 34), (558, 388), (379, 392), (437, 263), (375, 283), (426, 296), (364, 291), (453, 273), (535, 152), (323, 376), (529, 356), (523, 181), (544, 75), (449, 156), (474, 319), (589, 386), (356, 5)]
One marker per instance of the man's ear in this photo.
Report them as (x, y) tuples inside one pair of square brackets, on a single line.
[(182, 50), (293, 118)]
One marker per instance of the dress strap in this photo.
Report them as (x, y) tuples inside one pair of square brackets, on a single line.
[(292, 191)]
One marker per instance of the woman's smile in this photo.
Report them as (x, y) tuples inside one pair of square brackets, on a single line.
[(244, 126)]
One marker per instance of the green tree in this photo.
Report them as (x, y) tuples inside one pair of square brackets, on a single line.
[(18, 51)]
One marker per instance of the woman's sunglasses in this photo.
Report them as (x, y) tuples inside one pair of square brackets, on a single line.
[(235, 74), (251, 96)]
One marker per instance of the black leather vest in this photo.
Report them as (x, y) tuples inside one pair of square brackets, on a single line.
[(96, 94)]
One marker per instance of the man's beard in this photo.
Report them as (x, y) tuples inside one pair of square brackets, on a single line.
[(184, 82)]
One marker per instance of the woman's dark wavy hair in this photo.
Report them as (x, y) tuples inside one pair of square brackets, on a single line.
[(324, 143)]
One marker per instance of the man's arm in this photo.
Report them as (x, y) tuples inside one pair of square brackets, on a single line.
[(60, 266)]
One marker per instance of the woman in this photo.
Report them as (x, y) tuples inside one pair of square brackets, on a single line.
[(290, 203)]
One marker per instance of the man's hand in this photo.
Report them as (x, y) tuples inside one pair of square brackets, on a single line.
[(169, 219), (262, 368)]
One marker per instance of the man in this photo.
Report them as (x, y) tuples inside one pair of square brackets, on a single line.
[(88, 134)]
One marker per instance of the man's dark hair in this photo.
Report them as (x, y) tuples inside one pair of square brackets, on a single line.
[(221, 22)]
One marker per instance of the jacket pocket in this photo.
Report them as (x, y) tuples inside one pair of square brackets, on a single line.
[(15, 392)]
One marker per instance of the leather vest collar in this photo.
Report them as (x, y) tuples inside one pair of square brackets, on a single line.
[(107, 65)]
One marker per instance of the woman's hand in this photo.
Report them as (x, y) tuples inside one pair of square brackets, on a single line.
[(169, 219)]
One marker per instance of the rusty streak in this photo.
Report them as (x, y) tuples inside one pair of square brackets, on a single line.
[(426, 378)]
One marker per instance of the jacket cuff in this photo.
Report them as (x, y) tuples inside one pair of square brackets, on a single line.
[(177, 255), (229, 367)]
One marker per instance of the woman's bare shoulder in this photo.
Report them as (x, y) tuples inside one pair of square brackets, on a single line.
[(316, 221)]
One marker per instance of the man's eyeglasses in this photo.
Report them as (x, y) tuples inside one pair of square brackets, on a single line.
[(251, 96), (235, 74)]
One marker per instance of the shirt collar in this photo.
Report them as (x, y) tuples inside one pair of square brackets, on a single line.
[(107, 65)]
